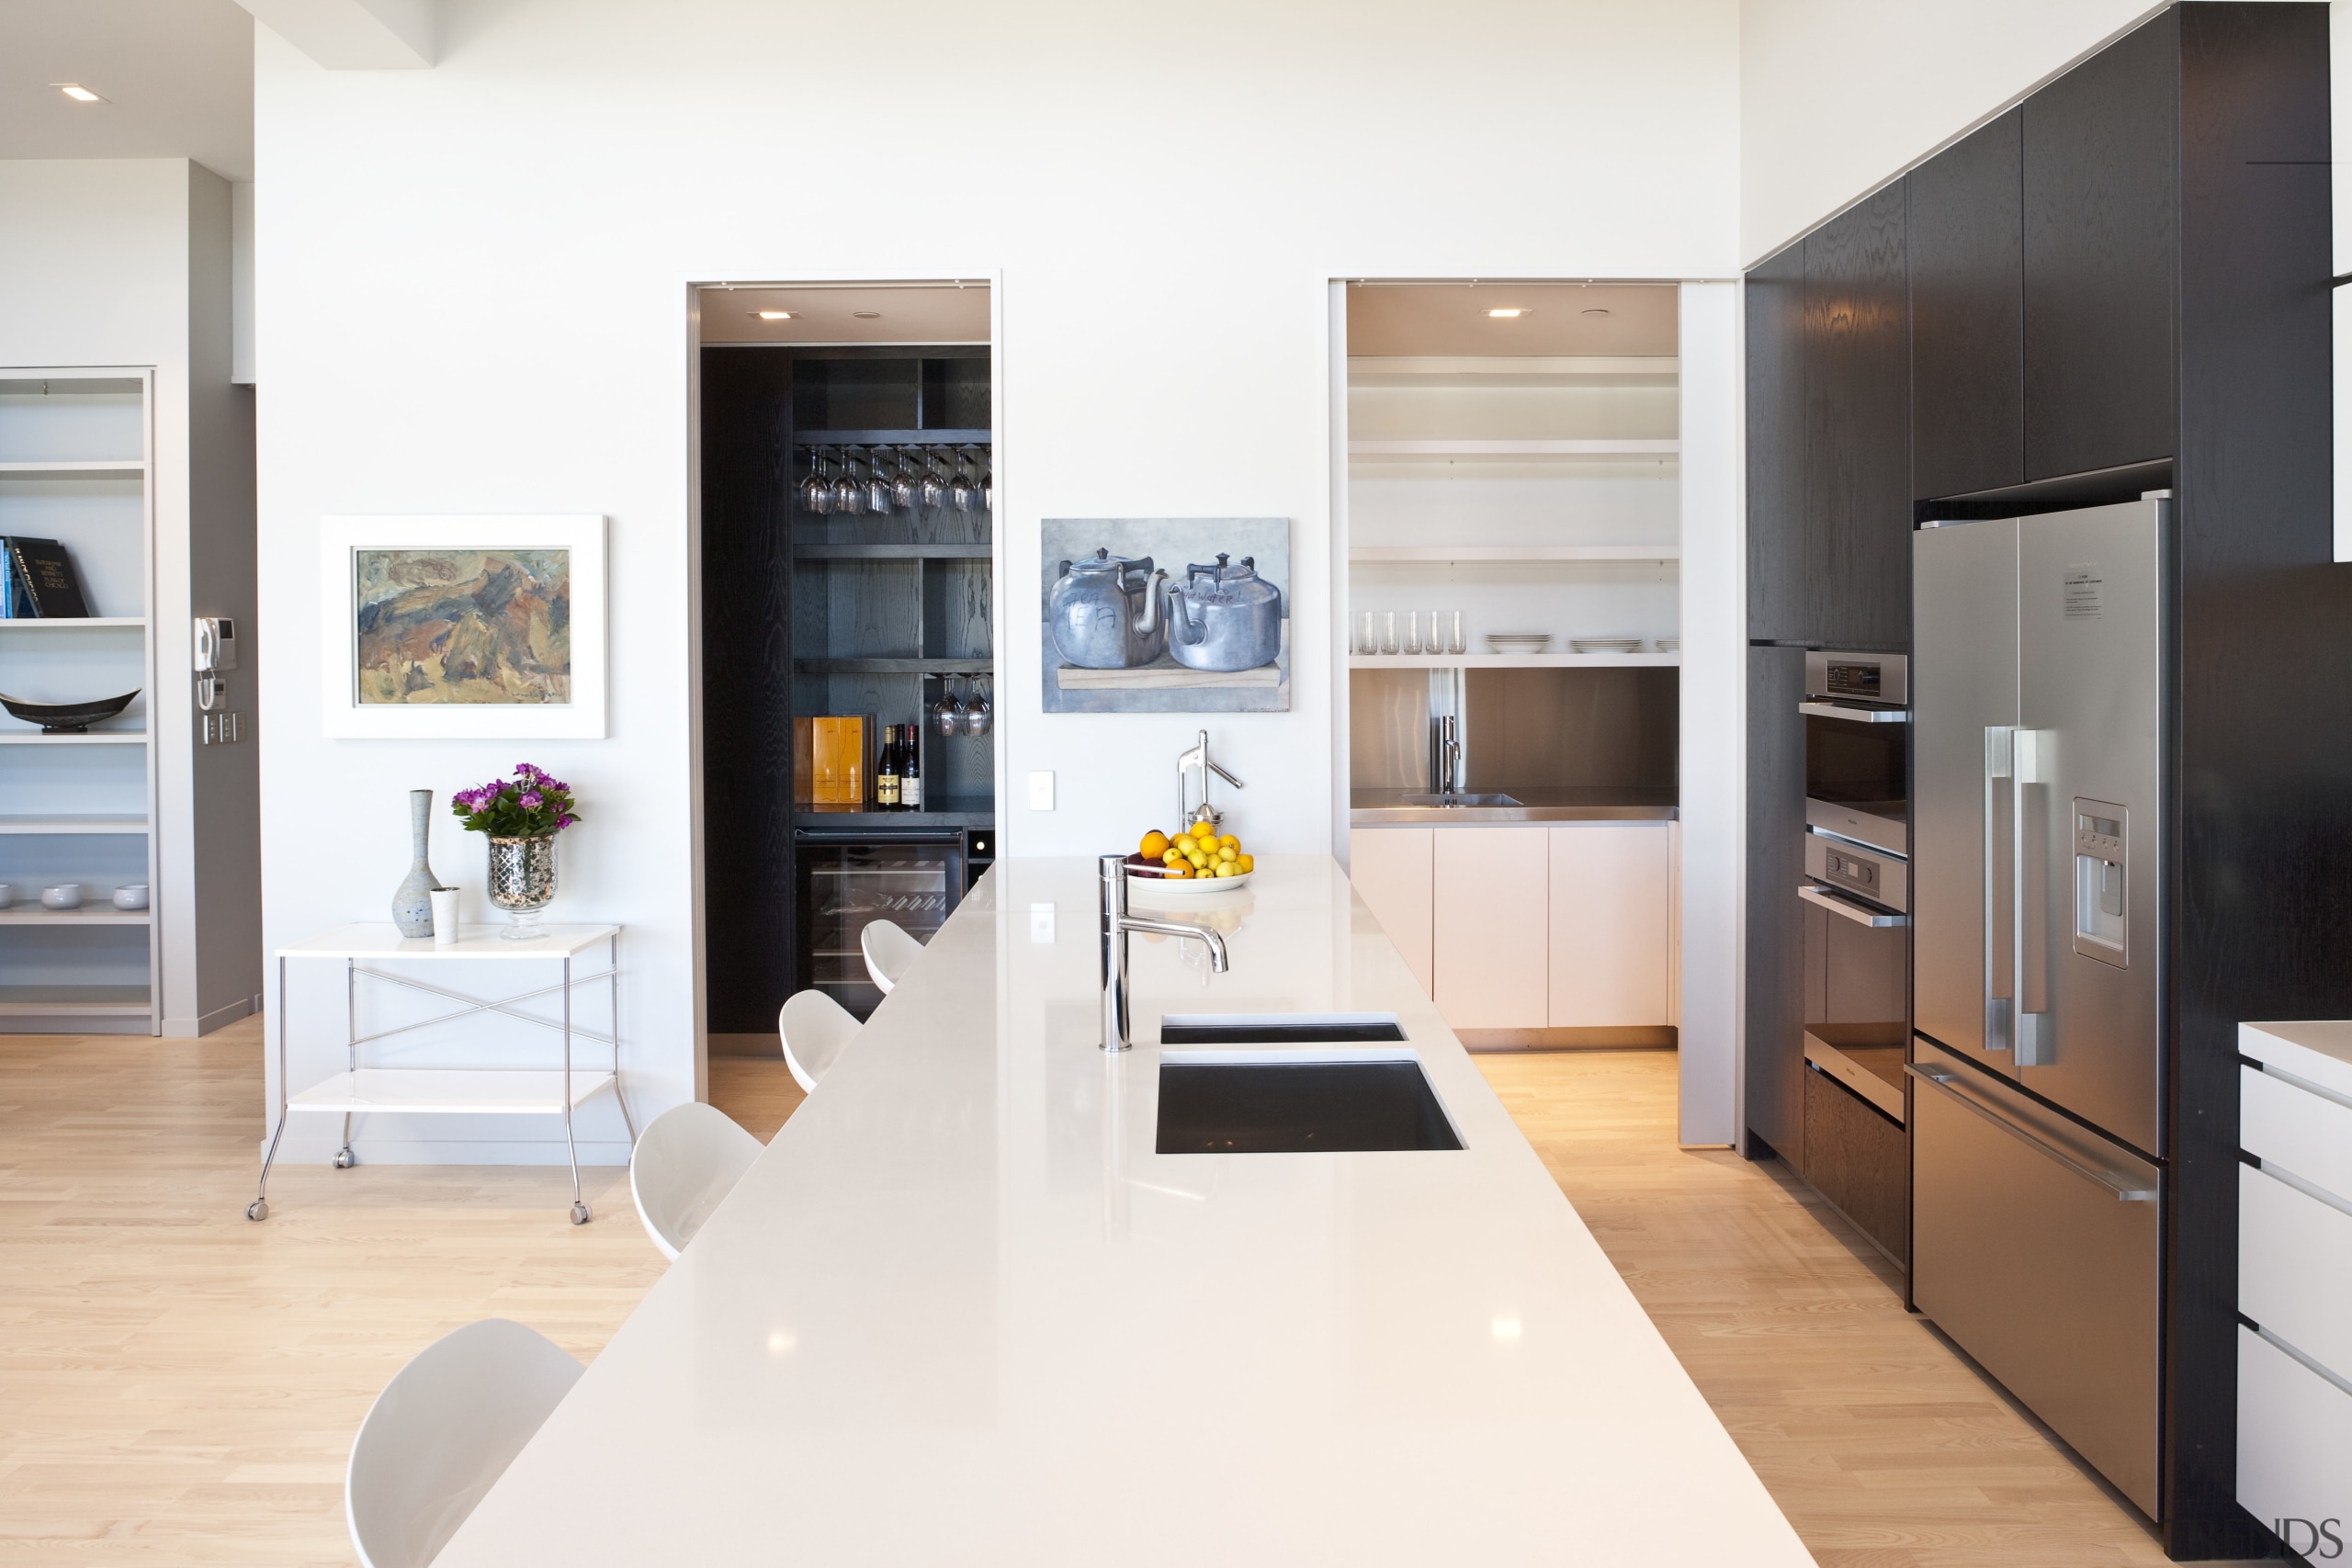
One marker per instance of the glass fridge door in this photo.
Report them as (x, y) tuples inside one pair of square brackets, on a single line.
[(844, 885)]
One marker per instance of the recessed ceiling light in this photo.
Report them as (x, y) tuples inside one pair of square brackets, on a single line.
[(1507, 312), (867, 315), (79, 93), (1597, 310), (772, 315)]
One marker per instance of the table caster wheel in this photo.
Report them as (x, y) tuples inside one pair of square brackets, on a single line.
[(580, 1213), (257, 1210), (344, 1159)]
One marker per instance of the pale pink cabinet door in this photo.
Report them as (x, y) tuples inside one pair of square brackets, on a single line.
[(1392, 869), (1490, 940), (1612, 924)]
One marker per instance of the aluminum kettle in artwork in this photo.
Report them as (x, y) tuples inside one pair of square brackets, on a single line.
[(1224, 617), (1104, 611)]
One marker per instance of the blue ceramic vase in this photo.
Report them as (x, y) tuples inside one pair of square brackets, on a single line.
[(411, 910)]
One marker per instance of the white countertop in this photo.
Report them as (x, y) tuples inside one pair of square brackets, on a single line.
[(960, 1312)]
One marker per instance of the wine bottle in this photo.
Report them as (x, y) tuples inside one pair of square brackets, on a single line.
[(911, 769), (886, 772)]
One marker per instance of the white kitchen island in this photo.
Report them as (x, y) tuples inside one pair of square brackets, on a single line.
[(960, 1312)]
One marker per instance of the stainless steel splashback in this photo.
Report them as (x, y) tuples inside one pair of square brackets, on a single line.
[(1388, 727), (1566, 728)]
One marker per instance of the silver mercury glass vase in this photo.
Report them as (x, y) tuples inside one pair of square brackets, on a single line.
[(522, 881), (411, 910)]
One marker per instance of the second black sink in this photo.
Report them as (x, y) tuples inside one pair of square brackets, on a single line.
[(1261, 1107), (1277, 1027)]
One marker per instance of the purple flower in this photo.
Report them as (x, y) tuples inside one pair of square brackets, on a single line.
[(531, 799), (525, 770), (566, 820)]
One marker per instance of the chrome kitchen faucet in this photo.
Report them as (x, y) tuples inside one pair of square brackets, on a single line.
[(1116, 926)]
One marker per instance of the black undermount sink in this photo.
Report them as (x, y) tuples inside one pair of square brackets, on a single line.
[(1261, 1106), (1277, 1027), (1455, 800)]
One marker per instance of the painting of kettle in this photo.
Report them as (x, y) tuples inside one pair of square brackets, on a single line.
[(1104, 611), (1223, 617)]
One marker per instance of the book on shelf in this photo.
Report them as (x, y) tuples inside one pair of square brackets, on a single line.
[(40, 580)]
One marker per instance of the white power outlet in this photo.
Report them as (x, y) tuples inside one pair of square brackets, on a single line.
[(1041, 791)]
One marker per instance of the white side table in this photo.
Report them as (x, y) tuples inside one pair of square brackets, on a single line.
[(442, 1091)]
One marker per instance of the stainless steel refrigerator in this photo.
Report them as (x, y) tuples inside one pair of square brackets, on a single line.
[(2038, 879)]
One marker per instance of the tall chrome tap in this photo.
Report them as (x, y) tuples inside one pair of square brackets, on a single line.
[(1116, 926)]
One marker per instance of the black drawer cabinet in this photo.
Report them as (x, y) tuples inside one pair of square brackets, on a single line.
[(1858, 1158), (1857, 432), (2101, 185), (1965, 228), (1775, 325)]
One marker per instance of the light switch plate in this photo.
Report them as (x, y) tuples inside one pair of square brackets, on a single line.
[(1041, 924), (1041, 791)]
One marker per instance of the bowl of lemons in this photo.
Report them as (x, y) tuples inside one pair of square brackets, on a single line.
[(1198, 860)]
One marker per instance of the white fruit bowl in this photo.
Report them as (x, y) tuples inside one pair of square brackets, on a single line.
[(1184, 887)]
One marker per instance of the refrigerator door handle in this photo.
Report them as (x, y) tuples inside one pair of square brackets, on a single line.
[(2124, 1191), (2032, 1038), (1999, 858)]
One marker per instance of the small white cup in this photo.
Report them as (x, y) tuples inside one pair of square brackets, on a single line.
[(445, 916), (64, 896), (130, 896)]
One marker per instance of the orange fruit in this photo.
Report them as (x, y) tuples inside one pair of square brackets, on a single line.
[(1154, 844)]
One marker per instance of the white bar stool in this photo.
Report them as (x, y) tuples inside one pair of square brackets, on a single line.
[(816, 1030), (685, 1163), (889, 952)]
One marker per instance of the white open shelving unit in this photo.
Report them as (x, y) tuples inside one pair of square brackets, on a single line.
[(77, 450)]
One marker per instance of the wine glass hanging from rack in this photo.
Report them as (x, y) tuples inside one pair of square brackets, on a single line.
[(845, 481)]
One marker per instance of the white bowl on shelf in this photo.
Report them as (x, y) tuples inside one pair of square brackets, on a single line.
[(1519, 642), (64, 896), (130, 896), (1606, 644)]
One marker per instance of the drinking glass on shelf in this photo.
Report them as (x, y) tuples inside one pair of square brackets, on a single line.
[(1367, 635), (947, 712), (935, 488), (988, 485), (1388, 633), (905, 491), (878, 484), (1412, 631), (1455, 642), (980, 712), (959, 485)]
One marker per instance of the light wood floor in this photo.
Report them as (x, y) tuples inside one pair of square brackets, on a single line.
[(180, 1386)]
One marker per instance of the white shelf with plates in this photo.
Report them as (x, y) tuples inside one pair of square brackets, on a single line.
[(105, 915), (1508, 449), (76, 446)]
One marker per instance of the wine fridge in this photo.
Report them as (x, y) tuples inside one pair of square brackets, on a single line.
[(911, 877)]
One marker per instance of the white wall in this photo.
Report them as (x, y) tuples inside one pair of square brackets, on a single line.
[(475, 283), (1839, 96)]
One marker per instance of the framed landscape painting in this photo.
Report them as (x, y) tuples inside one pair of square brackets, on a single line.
[(463, 627)]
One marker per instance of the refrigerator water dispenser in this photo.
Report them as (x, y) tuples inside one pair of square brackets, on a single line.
[(2099, 860)]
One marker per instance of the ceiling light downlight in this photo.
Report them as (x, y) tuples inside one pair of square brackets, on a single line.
[(1597, 310), (79, 93), (1509, 312), (772, 315), (867, 315)]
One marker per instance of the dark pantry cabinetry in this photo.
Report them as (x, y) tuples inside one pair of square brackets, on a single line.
[(847, 612), (1968, 314)]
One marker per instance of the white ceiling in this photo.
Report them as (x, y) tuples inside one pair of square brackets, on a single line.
[(839, 313), (177, 77), (1562, 319)]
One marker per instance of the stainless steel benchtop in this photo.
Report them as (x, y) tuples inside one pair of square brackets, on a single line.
[(1387, 807)]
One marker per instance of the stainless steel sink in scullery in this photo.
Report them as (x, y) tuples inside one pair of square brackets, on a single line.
[(1460, 800)]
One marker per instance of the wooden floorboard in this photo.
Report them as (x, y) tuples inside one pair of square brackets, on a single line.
[(180, 1386)]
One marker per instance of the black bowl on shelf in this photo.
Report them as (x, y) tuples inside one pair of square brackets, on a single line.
[(66, 719)]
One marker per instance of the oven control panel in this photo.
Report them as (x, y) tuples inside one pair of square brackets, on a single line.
[(1883, 879)]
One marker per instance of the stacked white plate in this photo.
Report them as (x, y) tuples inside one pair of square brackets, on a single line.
[(1669, 645), (1518, 642), (1606, 644)]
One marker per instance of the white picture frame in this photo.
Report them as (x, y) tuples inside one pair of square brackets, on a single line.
[(347, 718)]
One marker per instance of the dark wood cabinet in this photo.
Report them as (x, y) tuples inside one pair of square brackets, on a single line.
[(1857, 429), (1859, 1158), (1964, 231), (1775, 993), (2101, 224), (1776, 498)]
